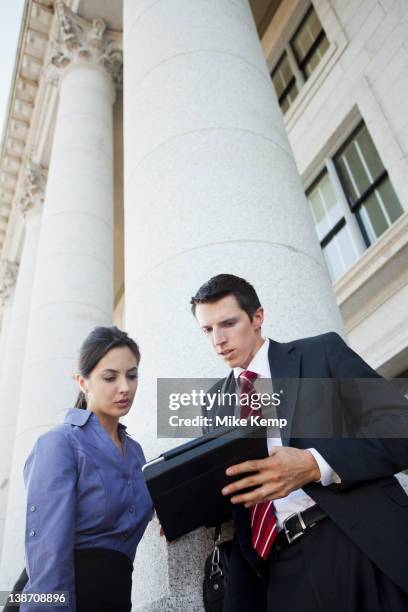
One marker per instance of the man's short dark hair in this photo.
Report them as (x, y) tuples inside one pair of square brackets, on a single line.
[(222, 285)]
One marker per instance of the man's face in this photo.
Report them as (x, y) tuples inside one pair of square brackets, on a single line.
[(233, 335)]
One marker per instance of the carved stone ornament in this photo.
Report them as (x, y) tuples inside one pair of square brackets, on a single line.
[(8, 277), (81, 41), (33, 188)]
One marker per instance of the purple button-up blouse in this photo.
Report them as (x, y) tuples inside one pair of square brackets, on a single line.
[(81, 493)]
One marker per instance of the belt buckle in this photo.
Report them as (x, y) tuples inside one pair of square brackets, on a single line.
[(290, 538)]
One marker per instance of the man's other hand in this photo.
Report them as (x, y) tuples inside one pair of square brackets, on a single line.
[(284, 471)]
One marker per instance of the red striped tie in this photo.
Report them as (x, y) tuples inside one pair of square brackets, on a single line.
[(263, 519)]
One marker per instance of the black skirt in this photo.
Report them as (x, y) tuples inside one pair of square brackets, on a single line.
[(103, 580)]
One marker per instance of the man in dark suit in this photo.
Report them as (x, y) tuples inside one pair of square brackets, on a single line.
[(324, 525)]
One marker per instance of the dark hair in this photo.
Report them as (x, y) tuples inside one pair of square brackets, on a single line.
[(95, 346), (227, 284)]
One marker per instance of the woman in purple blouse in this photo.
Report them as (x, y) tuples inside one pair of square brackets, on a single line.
[(88, 505)]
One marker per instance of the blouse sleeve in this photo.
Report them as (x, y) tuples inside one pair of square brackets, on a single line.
[(50, 475)]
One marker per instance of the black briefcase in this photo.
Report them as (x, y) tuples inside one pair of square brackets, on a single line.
[(185, 482)]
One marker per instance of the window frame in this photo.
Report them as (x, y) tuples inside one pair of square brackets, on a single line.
[(346, 220), (341, 222), (299, 77), (350, 218), (322, 34), (285, 93), (356, 206)]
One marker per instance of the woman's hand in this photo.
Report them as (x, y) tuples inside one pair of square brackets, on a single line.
[(163, 534)]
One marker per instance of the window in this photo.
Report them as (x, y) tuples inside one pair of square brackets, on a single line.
[(309, 43), (285, 83), (366, 185), (352, 202), (333, 232), (300, 57)]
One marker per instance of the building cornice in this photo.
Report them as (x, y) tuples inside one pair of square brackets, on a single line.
[(31, 50)]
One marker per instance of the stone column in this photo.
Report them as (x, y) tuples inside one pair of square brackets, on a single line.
[(8, 276), (73, 282), (211, 186), (30, 205)]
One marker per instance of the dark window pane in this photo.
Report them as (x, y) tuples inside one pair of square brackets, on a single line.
[(285, 103), (286, 71), (282, 75), (373, 217), (292, 92), (358, 168), (345, 166), (316, 57), (306, 35), (390, 200), (369, 152), (309, 43), (284, 82)]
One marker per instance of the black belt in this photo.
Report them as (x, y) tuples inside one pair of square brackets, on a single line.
[(296, 525)]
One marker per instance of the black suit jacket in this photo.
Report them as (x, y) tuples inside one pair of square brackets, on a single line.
[(334, 402)]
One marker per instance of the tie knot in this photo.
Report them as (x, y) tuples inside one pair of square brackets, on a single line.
[(248, 377)]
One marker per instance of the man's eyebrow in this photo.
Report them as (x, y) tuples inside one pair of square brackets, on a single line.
[(223, 322)]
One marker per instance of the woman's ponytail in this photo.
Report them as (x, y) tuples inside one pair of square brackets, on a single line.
[(81, 401)]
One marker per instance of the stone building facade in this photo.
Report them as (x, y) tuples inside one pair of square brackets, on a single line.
[(150, 144)]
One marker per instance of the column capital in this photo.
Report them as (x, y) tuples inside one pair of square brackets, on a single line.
[(33, 187), (79, 41), (8, 277)]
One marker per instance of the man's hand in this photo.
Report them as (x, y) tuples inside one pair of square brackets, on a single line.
[(284, 471)]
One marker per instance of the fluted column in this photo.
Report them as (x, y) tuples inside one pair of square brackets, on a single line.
[(30, 205), (73, 281), (211, 186)]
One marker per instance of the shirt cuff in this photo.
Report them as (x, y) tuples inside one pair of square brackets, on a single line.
[(327, 475)]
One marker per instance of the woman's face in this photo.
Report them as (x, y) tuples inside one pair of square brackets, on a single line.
[(111, 386)]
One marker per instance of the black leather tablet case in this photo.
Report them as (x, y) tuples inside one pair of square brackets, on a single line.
[(185, 482)]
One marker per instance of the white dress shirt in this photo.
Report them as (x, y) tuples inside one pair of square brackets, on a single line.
[(297, 500)]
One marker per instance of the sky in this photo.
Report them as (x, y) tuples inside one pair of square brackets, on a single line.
[(11, 12)]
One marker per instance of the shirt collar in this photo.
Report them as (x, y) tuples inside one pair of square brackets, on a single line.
[(78, 416), (259, 363)]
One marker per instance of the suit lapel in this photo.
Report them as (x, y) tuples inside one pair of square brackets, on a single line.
[(229, 386), (284, 363)]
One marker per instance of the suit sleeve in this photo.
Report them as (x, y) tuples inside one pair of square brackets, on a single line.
[(50, 475), (377, 415)]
